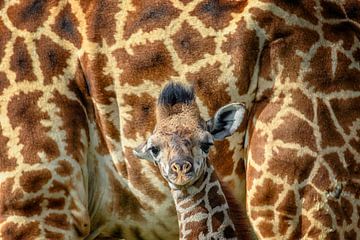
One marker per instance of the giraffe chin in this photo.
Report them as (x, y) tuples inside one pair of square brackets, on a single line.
[(182, 180)]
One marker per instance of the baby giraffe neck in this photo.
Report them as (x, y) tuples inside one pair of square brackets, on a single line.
[(203, 211)]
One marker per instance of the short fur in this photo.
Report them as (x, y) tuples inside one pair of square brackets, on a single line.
[(174, 93)]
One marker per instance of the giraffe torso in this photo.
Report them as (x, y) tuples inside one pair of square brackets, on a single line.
[(77, 78)]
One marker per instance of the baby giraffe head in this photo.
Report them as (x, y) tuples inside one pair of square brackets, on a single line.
[(181, 140)]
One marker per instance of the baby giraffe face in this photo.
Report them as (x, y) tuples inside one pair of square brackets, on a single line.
[(181, 140), (179, 145)]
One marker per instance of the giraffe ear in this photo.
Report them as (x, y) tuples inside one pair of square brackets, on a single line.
[(226, 120), (143, 152)]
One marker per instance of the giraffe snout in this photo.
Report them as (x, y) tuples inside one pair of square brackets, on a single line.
[(181, 166)]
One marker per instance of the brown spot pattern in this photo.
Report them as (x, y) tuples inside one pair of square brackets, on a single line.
[(66, 26), (149, 62), (23, 112), (57, 220), (30, 15), (52, 58), (64, 168), (266, 194), (28, 231), (4, 38), (6, 163), (190, 45), (33, 181), (149, 15), (21, 62)]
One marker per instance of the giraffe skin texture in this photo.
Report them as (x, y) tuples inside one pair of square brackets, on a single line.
[(78, 81)]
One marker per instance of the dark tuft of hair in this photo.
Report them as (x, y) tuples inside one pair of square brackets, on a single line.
[(174, 93)]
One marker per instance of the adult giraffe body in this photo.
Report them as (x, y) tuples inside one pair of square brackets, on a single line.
[(77, 78)]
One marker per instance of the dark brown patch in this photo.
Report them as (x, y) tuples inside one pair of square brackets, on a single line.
[(266, 194), (149, 62), (209, 76), (288, 205), (350, 235), (53, 235), (21, 62), (58, 221), (56, 203), (66, 26), (215, 199), (190, 45), (346, 111), (24, 113), (217, 13), (29, 15), (243, 46), (149, 15), (58, 187), (347, 209), (4, 38), (4, 82), (124, 203), (301, 228), (52, 58), (196, 228), (142, 114), (216, 220), (302, 9), (302, 134), (73, 122), (314, 232), (64, 168), (266, 214), (287, 164), (309, 196), (139, 180), (331, 10), (101, 22), (343, 31), (352, 9), (28, 231), (303, 104), (322, 179), (33, 181), (353, 165), (257, 144), (329, 133), (12, 203), (323, 217), (222, 158), (265, 229), (336, 166), (6, 163)]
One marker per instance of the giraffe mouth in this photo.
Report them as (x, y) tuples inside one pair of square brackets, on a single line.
[(182, 179)]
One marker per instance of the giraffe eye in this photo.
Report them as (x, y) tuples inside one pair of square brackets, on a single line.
[(154, 151), (205, 147)]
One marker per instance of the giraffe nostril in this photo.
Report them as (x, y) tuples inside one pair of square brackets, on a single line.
[(186, 167), (175, 167)]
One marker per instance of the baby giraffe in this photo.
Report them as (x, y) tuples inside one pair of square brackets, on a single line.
[(179, 146)]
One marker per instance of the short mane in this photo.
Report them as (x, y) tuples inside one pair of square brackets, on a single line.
[(174, 93)]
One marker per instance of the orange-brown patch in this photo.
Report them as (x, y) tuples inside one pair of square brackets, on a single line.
[(196, 228), (57, 220), (30, 15), (29, 231), (301, 228), (287, 164), (243, 47), (124, 203), (343, 31), (149, 62), (73, 122), (33, 181), (336, 166), (56, 203), (4, 38), (101, 22), (322, 179), (206, 83), (217, 13), (24, 113), (4, 82), (353, 165), (265, 214), (309, 196), (288, 205), (190, 45), (265, 229), (6, 163), (53, 235), (302, 134), (12, 202), (222, 158), (52, 58), (142, 115), (329, 133), (139, 180), (251, 175), (266, 194), (149, 15), (57, 187), (66, 26), (323, 217), (21, 62), (346, 111), (64, 168)]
